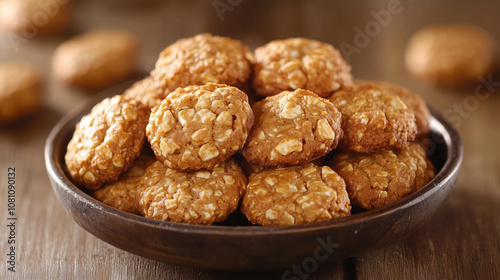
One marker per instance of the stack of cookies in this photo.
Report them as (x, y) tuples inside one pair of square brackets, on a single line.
[(283, 134)]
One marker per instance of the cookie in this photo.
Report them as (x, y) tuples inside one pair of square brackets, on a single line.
[(120, 194), (21, 91), (145, 92), (295, 195), (202, 197), (376, 180), (292, 128), (96, 59), (299, 63), (106, 141), (199, 126), (416, 103), (451, 54), (373, 120), (200, 60), (30, 18)]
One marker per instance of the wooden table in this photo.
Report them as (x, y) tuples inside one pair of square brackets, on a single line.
[(461, 242)]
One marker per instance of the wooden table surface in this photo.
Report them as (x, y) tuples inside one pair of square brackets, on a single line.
[(461, 242)]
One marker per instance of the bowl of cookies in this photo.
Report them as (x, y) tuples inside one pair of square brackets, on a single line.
[(228, 159)]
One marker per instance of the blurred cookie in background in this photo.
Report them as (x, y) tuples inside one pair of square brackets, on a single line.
[(96, 59), (21, 90), (32, 17), (453, 55)]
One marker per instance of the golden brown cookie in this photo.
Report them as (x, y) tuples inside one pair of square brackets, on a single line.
[(96, 59), (376, 180), (299, 63), (373, 120), (200, 60), (451, 54), (292, 128), (201, 197), (199, 126), (295, 195), (33, 17), (106, 141), (145, 92), (416, 103), (21, 92), (120, 194)]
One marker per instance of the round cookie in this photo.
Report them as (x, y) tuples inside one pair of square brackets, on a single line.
[(292, 128), (200, 60), (32, 17), (376, 180), (299, 63), (202, 197), (106, 141), (373, 120), (295, 195), (21, 92), (120, 194), (145, 92), (96, 59), (451, 54), (199, 126), (416, 103)]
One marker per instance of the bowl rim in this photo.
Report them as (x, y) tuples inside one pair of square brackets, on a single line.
[(60, 180)]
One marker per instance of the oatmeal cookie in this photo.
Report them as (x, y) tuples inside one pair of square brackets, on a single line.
[(200, 126), (96, 59), (200, 60), (30, 18), (21, 91), (376, 180), (373, 120), (451, 54), (145, 92), (201, 197), (299, 63), (416, 103), (120, 194), (106, 141), (292, 128), (295, 195)]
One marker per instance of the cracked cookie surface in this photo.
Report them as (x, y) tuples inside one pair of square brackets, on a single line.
[(200, 126), (299, 63), (201, 197), (376, 180), (106, 141), (373, 120), (292, 128), (295, 195)]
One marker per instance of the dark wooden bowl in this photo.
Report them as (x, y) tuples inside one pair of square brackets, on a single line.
[(237, 246)]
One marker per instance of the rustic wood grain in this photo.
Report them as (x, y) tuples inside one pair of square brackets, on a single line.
[(461, 242)]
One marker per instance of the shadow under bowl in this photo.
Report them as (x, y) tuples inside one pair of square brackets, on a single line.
[(240, 247)]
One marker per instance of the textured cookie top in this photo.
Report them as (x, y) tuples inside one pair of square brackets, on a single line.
[(202, 197), (376, 180), (96, 59), (145, 92), (451, 54), (200, 60), (292, 128), (414, 102), (20, 90), (120, 194), (200, 126), (373, 120), (295, 195), (106, 141), (299, 63)]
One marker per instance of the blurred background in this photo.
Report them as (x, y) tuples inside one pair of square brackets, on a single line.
[(470, 214)]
